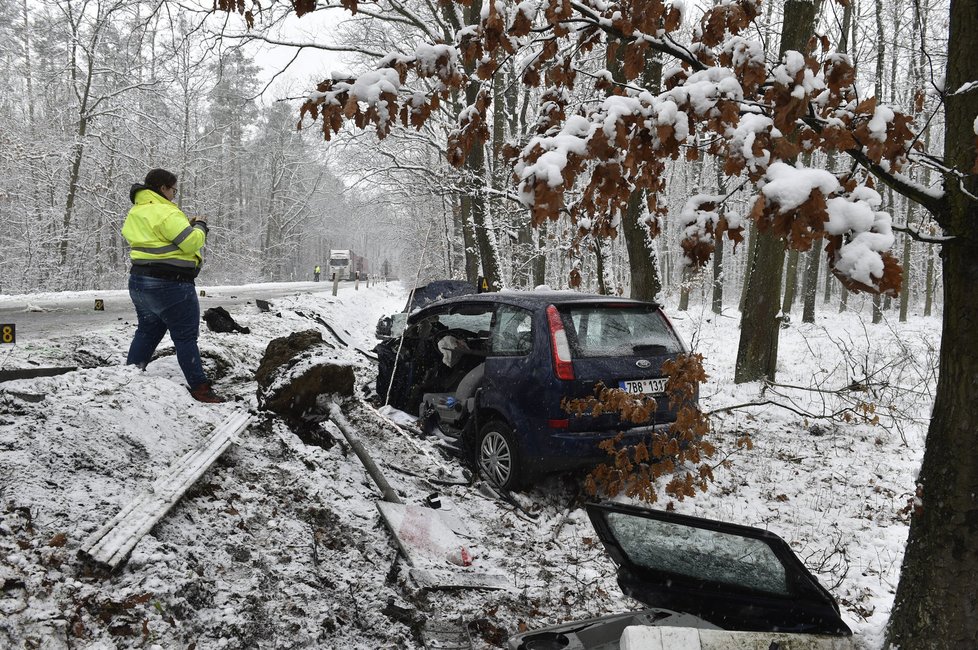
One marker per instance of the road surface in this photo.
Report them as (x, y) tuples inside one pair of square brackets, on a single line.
[(47, 315)]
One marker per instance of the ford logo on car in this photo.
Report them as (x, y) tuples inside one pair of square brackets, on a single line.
[(643, 363)]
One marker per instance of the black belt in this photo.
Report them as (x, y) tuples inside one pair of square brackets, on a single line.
[(162, 274)]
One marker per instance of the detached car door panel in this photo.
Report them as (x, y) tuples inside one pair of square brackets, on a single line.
[(737, 577), (710, 585)]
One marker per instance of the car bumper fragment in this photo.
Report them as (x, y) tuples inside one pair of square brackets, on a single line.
[(644, 637)]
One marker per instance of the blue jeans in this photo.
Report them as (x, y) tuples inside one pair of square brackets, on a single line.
[(163, 305)]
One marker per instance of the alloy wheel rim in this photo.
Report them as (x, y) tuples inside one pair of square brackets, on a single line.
[(495, 458)]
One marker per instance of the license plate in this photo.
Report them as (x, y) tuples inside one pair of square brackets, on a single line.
[(644, 386)]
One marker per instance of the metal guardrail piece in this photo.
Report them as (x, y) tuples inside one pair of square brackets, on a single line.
[(33, 373), (112, 543)]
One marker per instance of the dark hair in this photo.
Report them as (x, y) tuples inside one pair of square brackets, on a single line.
[(157, 179)]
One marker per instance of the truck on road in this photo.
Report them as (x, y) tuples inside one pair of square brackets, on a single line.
[(346, 264)]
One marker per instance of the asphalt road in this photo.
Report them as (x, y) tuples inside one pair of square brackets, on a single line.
[(49, 315)]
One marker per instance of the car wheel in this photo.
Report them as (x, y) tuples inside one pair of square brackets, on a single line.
[(497, 456)]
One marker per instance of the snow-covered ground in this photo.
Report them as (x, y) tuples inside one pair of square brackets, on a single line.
[(280, 544)]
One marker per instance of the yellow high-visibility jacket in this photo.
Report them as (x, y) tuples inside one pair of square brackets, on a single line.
[(161, 235)]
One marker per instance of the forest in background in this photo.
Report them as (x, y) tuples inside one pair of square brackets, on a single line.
[(820, 130), (94, 94), (635, 129), (98, 91)]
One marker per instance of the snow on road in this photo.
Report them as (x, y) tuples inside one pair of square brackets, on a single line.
[(280, 544)]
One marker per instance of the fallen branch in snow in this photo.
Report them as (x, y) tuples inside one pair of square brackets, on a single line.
[(428, 479), (768, 402), (832, 559), (571, 506), (386, 420)]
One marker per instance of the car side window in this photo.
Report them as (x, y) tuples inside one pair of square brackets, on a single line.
[(512, 333)]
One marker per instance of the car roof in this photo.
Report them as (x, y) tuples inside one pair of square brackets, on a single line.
[(427, 294), (531, 299)]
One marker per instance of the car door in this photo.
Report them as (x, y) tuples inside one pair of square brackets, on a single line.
[(512, 385), (736, 577)]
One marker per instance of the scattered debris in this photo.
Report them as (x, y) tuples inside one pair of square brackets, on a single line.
[(110, 544), (32, 373), (446, 635), (427, 542), (322, 321), (219, 320)]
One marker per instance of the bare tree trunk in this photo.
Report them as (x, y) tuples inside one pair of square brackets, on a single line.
[(905, 281), (718, 273), (601, 267), (468, 239), (643, 267), (525, 254), (790, 282), (446, 210), (751, 246), (880, 61), (810, 285), (684, 289), (540, 260), (475, 169), (78, 149), (935, 601), (877, 309), (929, 299), (760, 327), (827, 287)]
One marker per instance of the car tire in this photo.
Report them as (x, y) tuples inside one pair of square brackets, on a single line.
[(497, 456)]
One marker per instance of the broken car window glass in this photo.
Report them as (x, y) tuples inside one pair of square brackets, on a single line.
[(699, 553)]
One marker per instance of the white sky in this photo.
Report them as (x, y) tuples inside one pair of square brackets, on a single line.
[(311, 65)]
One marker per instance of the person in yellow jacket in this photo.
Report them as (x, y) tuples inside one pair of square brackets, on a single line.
[(166, 258)]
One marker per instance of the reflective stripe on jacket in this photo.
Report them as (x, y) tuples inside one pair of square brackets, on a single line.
[(160, 233)]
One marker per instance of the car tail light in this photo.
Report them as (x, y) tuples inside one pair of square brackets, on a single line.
[(558, 424), (559, 345)]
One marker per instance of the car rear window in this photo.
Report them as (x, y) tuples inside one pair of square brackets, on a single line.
[(618, 330)]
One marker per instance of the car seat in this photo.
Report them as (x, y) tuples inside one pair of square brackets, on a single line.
[(452, 407)]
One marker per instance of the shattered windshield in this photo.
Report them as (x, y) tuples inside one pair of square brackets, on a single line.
[(699, 553)]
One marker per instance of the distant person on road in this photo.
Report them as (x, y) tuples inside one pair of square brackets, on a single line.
[(315, 273), (166, 257)]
